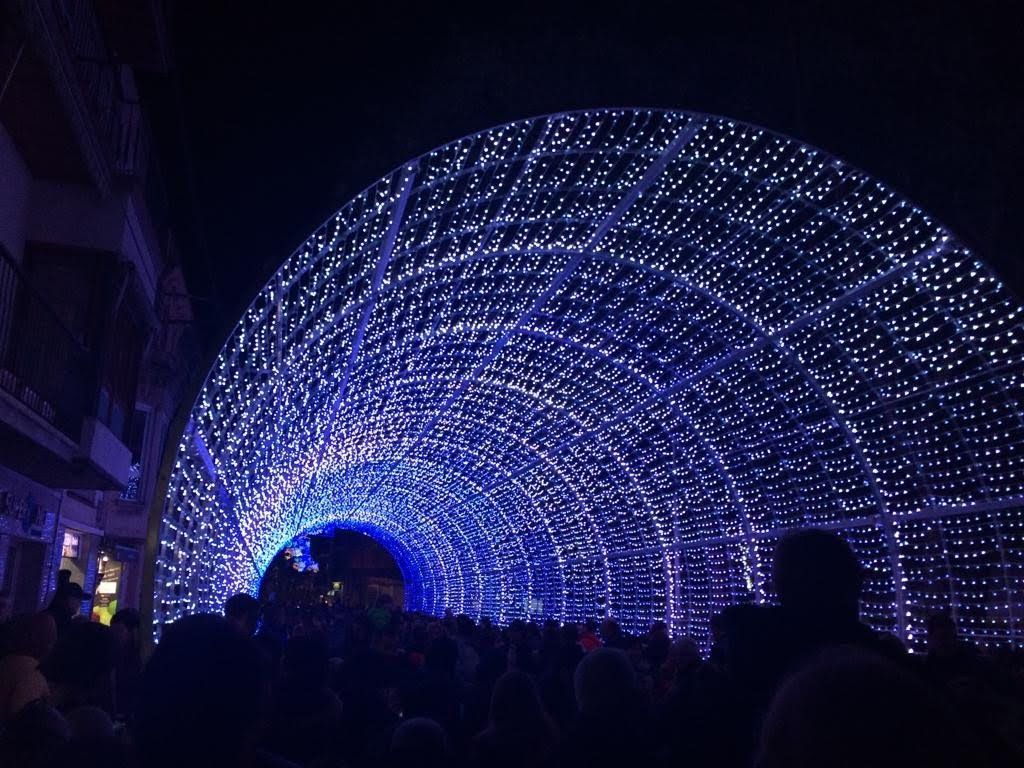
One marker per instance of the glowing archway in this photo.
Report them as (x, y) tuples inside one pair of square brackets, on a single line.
[(600, 361)]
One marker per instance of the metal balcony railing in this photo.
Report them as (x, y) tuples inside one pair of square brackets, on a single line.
[(42, 364), (113, 111)]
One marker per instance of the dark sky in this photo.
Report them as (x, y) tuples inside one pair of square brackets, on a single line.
[(287, 110)]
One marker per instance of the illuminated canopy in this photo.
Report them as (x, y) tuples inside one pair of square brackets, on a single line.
[(597, 363)]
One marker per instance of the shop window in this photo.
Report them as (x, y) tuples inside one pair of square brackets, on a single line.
[(106, 599), (72, 545)]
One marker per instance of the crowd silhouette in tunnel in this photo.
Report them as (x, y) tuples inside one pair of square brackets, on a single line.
[(801, 683)]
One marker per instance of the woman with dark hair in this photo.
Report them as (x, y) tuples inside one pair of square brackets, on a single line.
[(519, 733)]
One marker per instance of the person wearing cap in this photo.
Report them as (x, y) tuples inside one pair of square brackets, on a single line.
[(66, 604)]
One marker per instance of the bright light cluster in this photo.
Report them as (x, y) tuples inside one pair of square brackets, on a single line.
[(597, 363)]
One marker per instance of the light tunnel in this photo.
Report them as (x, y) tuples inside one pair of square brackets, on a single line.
[(597, 363)]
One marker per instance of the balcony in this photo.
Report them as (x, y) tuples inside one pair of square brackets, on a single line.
[(71, 104), (48, 394)]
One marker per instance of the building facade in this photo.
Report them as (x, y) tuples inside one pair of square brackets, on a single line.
[(95, 346)]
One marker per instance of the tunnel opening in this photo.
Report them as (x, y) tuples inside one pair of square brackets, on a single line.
[(338, 567)]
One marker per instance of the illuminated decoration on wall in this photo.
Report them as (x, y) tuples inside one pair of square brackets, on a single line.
[(297, 553), (597, 363)]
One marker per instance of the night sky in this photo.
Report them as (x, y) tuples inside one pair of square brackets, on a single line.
[(276, 115)]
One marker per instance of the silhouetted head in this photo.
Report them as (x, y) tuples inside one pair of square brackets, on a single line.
[(850, 708), (202, 692), (605, 683), (243, 612), (80, 664), (684, 652), (816, 574), (67, 600), (515, 703), (942, 638), (124, 626), (610, 630), (516, 631), (33, 635), (418, 742)]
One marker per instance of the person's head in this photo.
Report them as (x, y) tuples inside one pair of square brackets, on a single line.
[(67, 600), (604, 682), (124, 625), (242, 611), (204, 686), (516, 631), (941, 634), (684, 652), (464, 626), (418, 742), (79, 667), (435, 631), (33, 635), (610, 630), (851, 708), (817, 575), (658, 631), (515, 703)]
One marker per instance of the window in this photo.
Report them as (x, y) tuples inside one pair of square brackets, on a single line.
[(72, 545)]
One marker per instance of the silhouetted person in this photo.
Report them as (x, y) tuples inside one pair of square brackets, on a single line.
[(588, 638), (306, 714), (561, 657), (658, 643), (242, 611), (79, 669), (612, 635), (203, 694), (66, 604), (818, 580), (613, 726), (519, 733), (701, 722), (31, 638), (851, 708), (948, 657), (418, 743), (124, 628), (272, 635), (432, 692)]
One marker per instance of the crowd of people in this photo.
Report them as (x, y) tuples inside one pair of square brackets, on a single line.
[(801, 683)]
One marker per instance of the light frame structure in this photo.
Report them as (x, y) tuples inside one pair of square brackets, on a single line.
[(596, 363)]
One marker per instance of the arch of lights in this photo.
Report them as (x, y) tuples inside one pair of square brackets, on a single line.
[(597, 363)]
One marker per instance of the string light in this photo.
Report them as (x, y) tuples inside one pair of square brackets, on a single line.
[(596, 364)]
